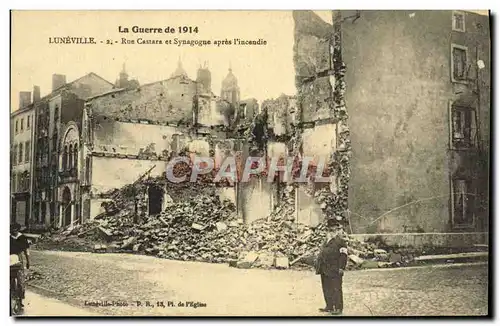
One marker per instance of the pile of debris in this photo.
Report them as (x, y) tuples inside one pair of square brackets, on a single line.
[(200, 226), (282, 243), (204, 229)]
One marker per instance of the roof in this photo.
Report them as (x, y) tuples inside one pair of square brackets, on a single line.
[(113, 91), (230, 81), (125, 90), (22, 110), (67, 85)]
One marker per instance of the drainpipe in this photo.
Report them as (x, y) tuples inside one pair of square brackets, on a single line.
[(478, 114), (32, 165), (34, 143)]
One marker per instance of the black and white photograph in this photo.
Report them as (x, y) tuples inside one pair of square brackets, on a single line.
[(264, 163)]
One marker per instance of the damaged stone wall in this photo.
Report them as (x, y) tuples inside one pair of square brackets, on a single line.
[(281, 112), (256, 204), (277, 149), (247, 111), (308, 211), (319, 141), (90, 85), (123, 138), (323, 130), (213, 111), (167, 101), (224, 148), (112, 172)]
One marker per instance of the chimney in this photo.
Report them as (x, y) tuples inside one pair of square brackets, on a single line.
[(58, 81), (24, 99), (36, 94)]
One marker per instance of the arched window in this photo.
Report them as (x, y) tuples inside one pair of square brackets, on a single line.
[(65, 158), (70, 157), (75, 158)]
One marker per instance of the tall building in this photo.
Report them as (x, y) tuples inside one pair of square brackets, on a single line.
[(415, 86), (55, 115), (123, 80), (204, 79), (175, 114), (179, 71), (230, 91), (418, 99), (21, 156)]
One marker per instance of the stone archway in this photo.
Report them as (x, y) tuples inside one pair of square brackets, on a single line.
[(66, 206)]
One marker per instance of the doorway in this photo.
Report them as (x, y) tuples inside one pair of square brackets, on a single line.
[(66, 206), (463, 196), (155, 202)]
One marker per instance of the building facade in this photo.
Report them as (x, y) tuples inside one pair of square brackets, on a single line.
[(54, 113), (418, 98), (21, 156)]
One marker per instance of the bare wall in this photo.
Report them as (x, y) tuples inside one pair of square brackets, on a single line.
[(398, 89), (129, 138), (111, 172)]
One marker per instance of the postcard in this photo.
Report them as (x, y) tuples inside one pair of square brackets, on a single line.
[(250, 163)]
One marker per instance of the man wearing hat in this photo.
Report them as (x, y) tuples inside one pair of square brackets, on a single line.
[(330, 264), (19, 246)]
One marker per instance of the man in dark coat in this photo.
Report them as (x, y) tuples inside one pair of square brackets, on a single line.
[(330, 264)]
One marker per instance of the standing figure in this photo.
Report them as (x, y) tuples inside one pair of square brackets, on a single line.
[(19, 246), (330, 264)]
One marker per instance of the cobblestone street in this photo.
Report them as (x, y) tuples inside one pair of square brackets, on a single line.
[(75, 278)]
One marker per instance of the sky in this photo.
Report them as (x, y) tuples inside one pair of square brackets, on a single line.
[(263, 71)]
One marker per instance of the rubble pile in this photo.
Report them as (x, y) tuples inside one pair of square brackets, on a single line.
[(197, 225), (286, 209), (204, 228), (282, 243), (207, 229)]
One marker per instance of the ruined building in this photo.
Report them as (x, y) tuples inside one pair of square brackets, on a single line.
[(418, 100), (128, 132)]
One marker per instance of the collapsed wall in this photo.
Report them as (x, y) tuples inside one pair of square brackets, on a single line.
[(320, 85)]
